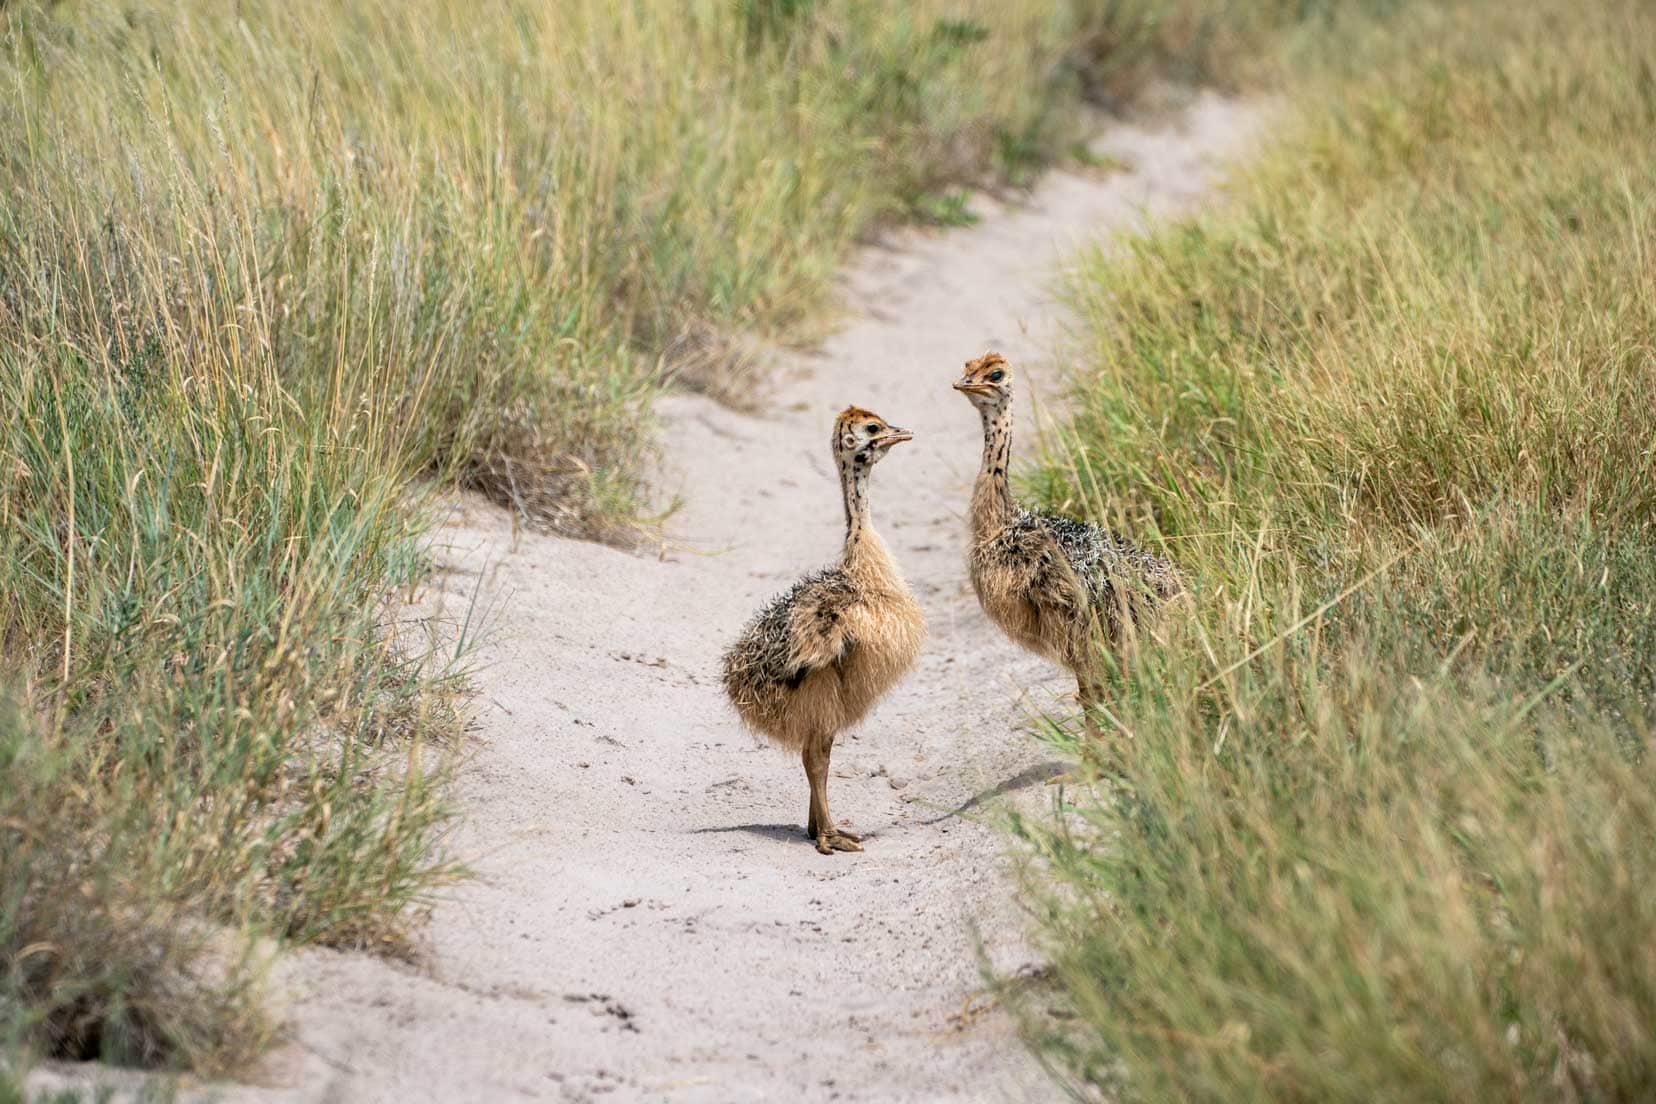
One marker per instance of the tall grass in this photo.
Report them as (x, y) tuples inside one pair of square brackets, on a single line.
[(1377, 820), (212, 724), (515, 214)]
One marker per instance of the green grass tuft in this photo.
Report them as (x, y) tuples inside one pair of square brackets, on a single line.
[(1377, 821)]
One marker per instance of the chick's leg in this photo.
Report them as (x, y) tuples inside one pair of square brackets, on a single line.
[(819, 825), (1088, 693)]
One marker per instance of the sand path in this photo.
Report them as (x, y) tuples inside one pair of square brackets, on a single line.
[(648, 921)]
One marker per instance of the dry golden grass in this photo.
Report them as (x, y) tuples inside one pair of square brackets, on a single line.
[(1380, 825)]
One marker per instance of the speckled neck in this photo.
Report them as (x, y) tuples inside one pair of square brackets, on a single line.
[(992, 493), (854, 469)]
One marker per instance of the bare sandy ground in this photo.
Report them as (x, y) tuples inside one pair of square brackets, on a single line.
[(648, 921)]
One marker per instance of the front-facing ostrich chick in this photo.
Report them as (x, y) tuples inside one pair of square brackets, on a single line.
[(814, 660), (1052, 584)]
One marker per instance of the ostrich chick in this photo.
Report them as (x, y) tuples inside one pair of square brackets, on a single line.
[(1052, 584), (818, 656)]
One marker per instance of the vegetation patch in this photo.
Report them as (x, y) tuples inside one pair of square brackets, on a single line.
[(1377, 822)]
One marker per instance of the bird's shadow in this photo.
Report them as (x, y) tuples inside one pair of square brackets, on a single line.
[(1029, 776), (787, 833)]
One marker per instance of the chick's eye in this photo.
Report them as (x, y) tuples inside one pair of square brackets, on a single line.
[(873, 427), (996, 376)]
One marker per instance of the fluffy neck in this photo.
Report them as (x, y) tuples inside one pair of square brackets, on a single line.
[(992, 493), (866, 558)]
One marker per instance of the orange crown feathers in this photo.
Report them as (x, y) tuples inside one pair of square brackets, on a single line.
[(855, 413)]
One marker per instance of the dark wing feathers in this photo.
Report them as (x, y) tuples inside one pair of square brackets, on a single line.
[(799, 631), (1114, 573), (1096, 554)]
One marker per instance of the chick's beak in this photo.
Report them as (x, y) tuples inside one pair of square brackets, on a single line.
[(894, 435), (970, 386)]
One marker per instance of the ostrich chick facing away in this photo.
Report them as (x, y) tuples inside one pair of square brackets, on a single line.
[(1050, 583), (817, 657)]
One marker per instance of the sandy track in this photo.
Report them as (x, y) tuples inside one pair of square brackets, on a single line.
[(649, 922)]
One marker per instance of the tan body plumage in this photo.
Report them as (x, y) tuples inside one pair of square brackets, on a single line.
[(1054, 585), (816, 658)]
